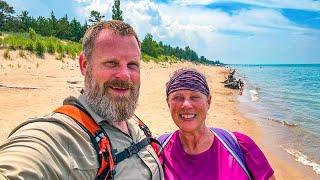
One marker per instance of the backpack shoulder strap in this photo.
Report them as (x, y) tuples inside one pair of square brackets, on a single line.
[(98, 137), (153, 142), (163, 140), (230, 142)]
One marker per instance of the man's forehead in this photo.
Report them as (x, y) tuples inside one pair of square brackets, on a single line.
[(110, 36)]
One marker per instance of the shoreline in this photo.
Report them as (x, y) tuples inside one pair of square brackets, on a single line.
[(33, 87), (275, 133), (283, 164)]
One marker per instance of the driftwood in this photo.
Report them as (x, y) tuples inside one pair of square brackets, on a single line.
[(74, 82), (17, 87), (232, 82), (230, 77)]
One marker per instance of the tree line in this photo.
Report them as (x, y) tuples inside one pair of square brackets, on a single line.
[(155, 49), (61, 28), (73, 30)]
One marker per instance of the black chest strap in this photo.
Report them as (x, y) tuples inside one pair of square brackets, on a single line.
[(132, 150)]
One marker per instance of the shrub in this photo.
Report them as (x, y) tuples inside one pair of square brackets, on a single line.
[(51, 44), (146, 58), (51, 47), (60, 48), (40, 48), (60, 56), (61, 51), (68, 49), (6, 54), (29, 46), (32, 34), (22, 54), (73, 54)]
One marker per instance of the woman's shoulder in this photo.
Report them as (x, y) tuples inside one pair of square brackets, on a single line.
[(166, 138), (246, 143), (255, 158)]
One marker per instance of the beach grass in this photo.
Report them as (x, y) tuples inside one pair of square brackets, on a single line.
[(40, 45)]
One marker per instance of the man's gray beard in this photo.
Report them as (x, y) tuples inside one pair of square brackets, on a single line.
[(110, 108)]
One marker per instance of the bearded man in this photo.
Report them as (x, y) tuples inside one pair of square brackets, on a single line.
[(95, 135)]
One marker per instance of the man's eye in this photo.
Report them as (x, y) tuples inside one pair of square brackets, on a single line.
[(133, 66), (110, 64)]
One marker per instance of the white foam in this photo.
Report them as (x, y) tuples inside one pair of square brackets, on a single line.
[(254, 95), (302, 158)]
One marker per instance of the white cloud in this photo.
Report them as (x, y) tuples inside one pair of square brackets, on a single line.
[(289, 4), (260, 33), (83, 1), (86, 6)]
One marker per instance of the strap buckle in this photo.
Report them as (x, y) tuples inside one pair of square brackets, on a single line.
[(133, 149)]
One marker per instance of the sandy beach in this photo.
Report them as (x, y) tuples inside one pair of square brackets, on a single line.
[(32, 87)]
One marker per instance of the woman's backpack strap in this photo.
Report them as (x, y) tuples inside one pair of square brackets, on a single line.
[(230, 142), (163, 140)]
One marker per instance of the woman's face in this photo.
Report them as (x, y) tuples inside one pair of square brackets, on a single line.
[(188, 109)]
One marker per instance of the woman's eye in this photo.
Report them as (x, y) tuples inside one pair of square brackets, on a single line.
[(194, 97), (178, 98)]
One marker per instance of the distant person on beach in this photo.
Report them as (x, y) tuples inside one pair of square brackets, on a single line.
[(198, 152), (241, 85), (94, 135)]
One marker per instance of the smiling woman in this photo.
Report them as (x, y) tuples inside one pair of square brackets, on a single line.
[(196, 151)]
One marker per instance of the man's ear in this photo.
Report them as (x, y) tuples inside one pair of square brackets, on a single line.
[(83, 63)]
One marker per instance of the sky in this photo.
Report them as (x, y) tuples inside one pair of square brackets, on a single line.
[(233, 32)]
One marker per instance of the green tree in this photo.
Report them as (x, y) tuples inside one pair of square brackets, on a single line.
[(116, 11), (63, 28), (42, 26), (150, 47), (26, 22), (75, 30), (5, 13), (53, 24), (95, 17)]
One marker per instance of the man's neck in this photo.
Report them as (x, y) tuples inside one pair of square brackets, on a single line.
[(122, 126)]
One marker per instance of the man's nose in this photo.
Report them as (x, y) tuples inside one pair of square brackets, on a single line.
[(123, 73)]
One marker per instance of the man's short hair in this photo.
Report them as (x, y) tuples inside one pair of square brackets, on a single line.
[(118, 27)]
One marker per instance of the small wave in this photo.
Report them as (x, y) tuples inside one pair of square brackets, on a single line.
[(302, 158), (254, 95), (285, 123)]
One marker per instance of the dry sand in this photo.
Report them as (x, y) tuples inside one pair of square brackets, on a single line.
[(31, 87)]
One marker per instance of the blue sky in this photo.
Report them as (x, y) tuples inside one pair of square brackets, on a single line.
[(235, 32)]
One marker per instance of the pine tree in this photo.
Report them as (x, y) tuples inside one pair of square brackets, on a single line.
[(116, 11), (95, 17), (5, 13)]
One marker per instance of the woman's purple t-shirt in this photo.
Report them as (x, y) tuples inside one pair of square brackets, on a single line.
[(215, 163)]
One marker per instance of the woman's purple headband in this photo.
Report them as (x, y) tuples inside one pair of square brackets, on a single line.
[(187, 79)]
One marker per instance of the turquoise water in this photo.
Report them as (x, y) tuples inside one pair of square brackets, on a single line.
[(287, 98)]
